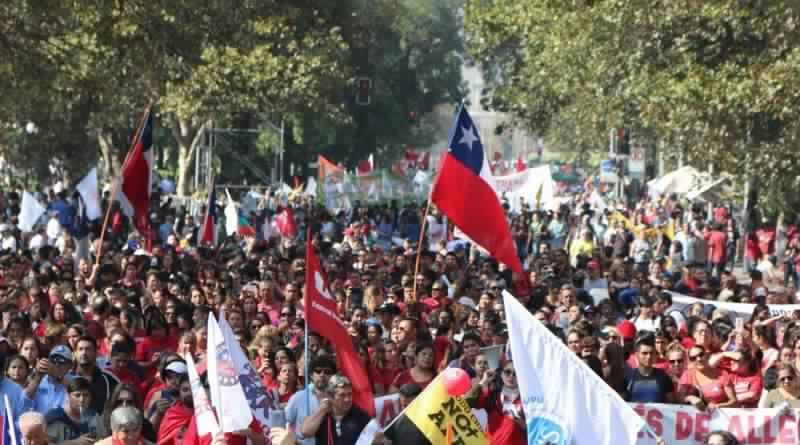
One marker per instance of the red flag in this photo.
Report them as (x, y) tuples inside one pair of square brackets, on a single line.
[(462, 192), (208, 231), (520, 165), (424, 161), (327, 168), (364, 167), (321, 316), (285, 224), (137, 173)]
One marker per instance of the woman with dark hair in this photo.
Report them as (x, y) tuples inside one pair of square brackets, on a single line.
[(421, 373), (124, 395), (764, 340), (500, 396), (17, 370), (721, 438), (703, 386), (746, 378), (612, 357), (154, 344)]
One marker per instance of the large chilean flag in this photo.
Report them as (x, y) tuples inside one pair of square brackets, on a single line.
[(137, 175), (463, 192)]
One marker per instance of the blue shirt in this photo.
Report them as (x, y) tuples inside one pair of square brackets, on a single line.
[(49, 394), (296, 413), (16, 398)]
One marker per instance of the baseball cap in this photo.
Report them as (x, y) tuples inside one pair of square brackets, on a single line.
[(61, 354), (466, 301), (593, 264), (177, 367), (627, 330)]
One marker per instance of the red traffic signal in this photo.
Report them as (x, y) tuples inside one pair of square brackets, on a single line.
[(364, 84)]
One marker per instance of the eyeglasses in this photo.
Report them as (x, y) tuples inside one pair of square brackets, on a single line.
[(677, 362), (436, 289), (325, 371), (695, 358), (509, 372)]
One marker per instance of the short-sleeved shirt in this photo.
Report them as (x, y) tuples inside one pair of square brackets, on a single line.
[(652, 388), (298, 409), (711, 392), (344, 431), (49, 394), (743, 384)]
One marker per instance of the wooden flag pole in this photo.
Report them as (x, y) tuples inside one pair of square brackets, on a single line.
[(117, 183), (419, 246)]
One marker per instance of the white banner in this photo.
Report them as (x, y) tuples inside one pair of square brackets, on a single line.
[(744, 310), (526, 185), (684, 425)]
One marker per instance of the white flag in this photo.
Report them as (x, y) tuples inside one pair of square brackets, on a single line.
[(206, 419), (227, 395), (311, 186), (90, 194), (258, 398), (565, 402), (231, 215), (30, 212)]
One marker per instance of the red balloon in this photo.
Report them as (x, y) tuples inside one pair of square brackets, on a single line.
[(456, 381)]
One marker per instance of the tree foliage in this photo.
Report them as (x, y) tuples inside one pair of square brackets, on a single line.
[(716, 80), (83, 71)]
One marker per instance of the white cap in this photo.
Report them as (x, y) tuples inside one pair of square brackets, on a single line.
[(466, 301), (178, 367)]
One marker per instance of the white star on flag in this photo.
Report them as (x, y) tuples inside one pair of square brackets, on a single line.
[(468, 136)]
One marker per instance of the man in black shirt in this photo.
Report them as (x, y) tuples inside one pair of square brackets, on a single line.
[(337, 421), (647, 384)]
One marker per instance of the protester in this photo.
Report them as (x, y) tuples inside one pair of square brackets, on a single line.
[(126, 428), (337, 420)]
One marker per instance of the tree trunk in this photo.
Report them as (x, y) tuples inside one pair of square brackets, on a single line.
[(188, 136), (110, 155)]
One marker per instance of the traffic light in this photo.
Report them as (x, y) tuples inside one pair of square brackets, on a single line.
[(624, 139), (364, 85)]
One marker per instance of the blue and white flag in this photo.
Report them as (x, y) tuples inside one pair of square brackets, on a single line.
[(258, 398), (227, 395), (565, 402)]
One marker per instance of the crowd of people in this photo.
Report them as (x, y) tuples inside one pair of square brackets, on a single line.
[(93, 345)]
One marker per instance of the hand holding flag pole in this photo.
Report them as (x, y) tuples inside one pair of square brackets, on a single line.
[(117, 183)]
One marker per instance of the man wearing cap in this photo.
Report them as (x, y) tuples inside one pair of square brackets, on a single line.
[(47, 388), (594, 280), (172, 376), (303, 404)]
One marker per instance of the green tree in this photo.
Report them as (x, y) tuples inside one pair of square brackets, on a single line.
[(716, 80)]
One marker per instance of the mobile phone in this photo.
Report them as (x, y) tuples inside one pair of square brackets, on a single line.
[(277, 418), (739, 323)]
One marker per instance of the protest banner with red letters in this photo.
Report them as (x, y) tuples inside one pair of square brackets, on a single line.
[(684, 425)]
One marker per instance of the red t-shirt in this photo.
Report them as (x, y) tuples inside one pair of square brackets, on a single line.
[(405, 377), (712, 392), (766, 240), (716, 246), (743, 384)]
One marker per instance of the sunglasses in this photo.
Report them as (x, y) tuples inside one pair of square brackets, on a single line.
[(695, 358), (124, 402), (677, 362), (509, 372), (325, 371)]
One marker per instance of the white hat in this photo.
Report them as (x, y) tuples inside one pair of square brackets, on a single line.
[(178, 367), (466, 301)]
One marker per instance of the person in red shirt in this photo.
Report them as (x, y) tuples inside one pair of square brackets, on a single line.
[(752, 252), (503, 404), (746, 378), (766, 240), (703, 386), (717, 240), (120, 357)]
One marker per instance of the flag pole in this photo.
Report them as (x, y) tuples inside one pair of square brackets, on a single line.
[(116, 183), (306, 359), (419, 246)]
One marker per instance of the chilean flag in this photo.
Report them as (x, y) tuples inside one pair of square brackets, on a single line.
[(208, 232), (137, 175), (464, 193)]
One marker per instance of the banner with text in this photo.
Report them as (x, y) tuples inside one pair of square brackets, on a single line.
[(684, 425), (744, 310)]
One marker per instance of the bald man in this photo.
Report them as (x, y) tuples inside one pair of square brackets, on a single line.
[(33, 428)]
